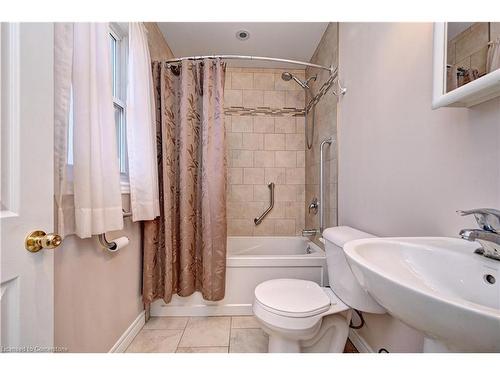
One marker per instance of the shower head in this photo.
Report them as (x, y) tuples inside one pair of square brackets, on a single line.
[(287, 76)]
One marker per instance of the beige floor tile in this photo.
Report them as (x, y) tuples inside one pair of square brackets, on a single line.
[(206, 331), (248, 340), (166, 322), (204, 349), (155, 341), (244, 322)]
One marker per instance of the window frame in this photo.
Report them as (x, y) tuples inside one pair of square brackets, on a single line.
[(119, 99)]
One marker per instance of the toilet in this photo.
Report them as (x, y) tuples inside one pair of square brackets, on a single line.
[(300, 316)]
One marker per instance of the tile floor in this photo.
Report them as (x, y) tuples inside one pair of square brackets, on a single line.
[(214, 334)]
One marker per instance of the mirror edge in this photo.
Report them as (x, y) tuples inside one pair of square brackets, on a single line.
[(482, 89)]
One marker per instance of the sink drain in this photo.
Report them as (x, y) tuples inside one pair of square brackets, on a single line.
[(490, 279)]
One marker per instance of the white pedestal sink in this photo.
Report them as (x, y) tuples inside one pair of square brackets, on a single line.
[(436, 285)]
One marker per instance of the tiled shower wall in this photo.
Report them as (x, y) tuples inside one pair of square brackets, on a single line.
[(325, 126), (264, 148)]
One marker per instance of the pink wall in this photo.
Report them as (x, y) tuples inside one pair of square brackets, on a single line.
[(97, 293), (404, 169)]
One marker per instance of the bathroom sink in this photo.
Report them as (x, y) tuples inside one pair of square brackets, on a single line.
[(436, 285)]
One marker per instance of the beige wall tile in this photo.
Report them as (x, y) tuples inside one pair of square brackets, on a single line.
[(233, 98), (285, 193), (253, 98), (253, 176), (252, 141), (472, 41), (285, 125), (295, 142), (235, 176), (264, 158), (241, 158), (241, 193), (243, 124), (227, 81), (263, 124), (274, 99), (295, 176), (263, 81), (240, 227), (301, 159), (286, 159), (245, 210), (478, 60), (295, 99), (242, 81), (294, 210), (494, 30), (234, 141), (274, 141), (266, 228), (278, 211), (259, 153), (261, 193), (301, 192), (276, 175), (285, 227), (300, 121)]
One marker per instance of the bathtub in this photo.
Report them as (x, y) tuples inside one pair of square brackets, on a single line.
[(250, 261)]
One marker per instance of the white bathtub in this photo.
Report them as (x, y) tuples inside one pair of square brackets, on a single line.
[(250, 261)]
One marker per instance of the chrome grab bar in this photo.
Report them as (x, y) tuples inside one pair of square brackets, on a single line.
[(328, 141), (259, 219)]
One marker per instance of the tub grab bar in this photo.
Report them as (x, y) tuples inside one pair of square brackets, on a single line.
[(259, 219)]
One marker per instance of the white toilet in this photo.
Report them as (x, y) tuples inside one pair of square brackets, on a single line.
[(301, 316)]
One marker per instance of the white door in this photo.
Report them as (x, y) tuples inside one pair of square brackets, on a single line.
[(27, 297)]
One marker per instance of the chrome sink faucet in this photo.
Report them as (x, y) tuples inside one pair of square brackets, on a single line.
[(488, 235)]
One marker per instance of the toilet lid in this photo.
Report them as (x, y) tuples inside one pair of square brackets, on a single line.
[(292, 297)]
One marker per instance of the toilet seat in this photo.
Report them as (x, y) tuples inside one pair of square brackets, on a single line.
[(294, 307), (292, 298)]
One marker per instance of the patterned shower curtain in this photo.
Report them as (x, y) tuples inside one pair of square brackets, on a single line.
[(185, 248)]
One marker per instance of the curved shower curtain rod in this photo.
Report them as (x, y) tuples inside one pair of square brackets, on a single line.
[(331, 69)]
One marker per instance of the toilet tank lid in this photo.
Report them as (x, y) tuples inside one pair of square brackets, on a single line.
[(340, 235)]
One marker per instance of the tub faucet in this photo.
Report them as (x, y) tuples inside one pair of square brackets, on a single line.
[(309, 232), (488, 235)]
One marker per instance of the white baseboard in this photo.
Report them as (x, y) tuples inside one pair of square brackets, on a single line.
[(359, 342), (129, 334)]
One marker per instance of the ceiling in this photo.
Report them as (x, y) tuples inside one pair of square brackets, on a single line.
[(287, 40)]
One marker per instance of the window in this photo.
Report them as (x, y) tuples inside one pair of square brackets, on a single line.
[(118, 57), (118, 80)]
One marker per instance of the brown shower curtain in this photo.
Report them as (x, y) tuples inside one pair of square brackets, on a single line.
[(185, 248)]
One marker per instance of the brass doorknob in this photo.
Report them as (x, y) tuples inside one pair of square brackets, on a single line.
[(38, 240)]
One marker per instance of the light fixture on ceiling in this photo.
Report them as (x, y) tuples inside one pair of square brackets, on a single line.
[(242, 35)]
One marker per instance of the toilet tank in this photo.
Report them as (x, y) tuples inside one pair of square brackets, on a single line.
[(342, 280)]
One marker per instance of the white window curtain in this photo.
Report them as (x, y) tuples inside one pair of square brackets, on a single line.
[(141, 128), (96, 176)]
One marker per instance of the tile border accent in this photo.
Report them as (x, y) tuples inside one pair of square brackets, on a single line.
[(285, 111), (126, 338), (264, 111)]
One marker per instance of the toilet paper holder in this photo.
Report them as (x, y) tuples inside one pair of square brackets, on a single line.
[(111, 246)]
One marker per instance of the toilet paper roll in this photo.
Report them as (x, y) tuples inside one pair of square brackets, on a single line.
[(119, 243)]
